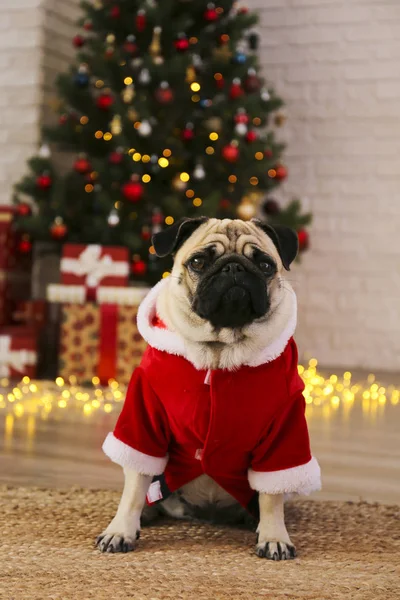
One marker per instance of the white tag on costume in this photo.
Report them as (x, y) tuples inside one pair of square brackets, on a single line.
[(154, 492)]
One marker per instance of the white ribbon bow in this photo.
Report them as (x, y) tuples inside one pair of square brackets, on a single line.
[(14, 359), (95, 267)]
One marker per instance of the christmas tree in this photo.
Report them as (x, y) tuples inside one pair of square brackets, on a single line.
[(166, 116)]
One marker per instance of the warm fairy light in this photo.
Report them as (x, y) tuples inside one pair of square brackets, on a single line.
[(117, 205), (108, 408), (84, 120), (136, 156), (218, 76), (107, 136), (193, 40), (131, 151), (184, 177), (195, 87), (197, 202), (271, 173), (259, 155), (167, 152), (146, 158), (213, 136), (256, 121), (99, 83), (26, 380), (146, 178), (189, 193), (169, 220), (89, 188), (128, 80), (95, 380), (137, 124), (98, 135), (166, 274), (219, 10), (62, 403), (163, 162), (210, 150), (60, 381), (225, 38), (195, 98), (152, 250), (94, 175), (232, 179)]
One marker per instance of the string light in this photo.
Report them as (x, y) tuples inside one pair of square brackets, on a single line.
[(195, 87), (152, 250), (189, 193), (184, 177), (146, 158), (38, 399), (98, 135), (128, 80), (117, 205), (84, 120), (197, 202), (218, 76), (210, 150), (146, 178), (259, 155), (163, 162), (213, 136), (169, 220), (107, 136), (89, 188), (271, 173), (256, 121), (136, 156), (253, 180), (167, 152), (232, 179), (99, 83), (195, 98)]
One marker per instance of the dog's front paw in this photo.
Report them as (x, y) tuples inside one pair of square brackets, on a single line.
[(117, 542), (275, 550)]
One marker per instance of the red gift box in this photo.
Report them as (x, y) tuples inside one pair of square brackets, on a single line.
[(18, 352), (31, 313), (93, 265)]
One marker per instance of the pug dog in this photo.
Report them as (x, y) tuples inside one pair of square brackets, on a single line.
[(214, 417)]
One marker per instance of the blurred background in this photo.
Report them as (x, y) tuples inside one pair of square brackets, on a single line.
[(290, 110)]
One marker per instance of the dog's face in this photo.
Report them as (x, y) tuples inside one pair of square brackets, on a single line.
[(228, 269)]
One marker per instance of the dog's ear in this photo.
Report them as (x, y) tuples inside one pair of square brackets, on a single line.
[(171, 239), (285, 239)]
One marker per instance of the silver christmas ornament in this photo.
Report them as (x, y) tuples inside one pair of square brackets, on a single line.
[(113, 218), (144, 129)]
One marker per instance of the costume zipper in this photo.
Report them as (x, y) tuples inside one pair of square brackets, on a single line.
[(207, 379)]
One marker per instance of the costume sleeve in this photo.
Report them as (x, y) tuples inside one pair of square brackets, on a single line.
[(282, 461), (141, 436)]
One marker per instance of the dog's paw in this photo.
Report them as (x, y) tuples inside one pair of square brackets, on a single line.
[(117, 542), (275, 550)]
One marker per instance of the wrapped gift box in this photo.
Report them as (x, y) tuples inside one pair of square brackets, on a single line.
[(86, 267), (31, 313), (18, 353), (99, 340)]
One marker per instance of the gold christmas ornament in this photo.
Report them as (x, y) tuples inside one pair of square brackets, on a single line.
[(128, 93), (246, 210), (190, 74), (155, 46), (116, 125)]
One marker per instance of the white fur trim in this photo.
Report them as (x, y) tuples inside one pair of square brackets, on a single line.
[(169, 341), (277, 347), (299, 480), (158, 338), (124, 455)]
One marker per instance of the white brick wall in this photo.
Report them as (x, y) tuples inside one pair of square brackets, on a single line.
[(337, 66)]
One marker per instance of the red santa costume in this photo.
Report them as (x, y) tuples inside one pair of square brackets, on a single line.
[(245, 428)]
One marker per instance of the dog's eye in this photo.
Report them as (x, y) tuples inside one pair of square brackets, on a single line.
[(266, 267), (197, 263)]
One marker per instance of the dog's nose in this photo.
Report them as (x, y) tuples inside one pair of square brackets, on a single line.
[(232, 268)]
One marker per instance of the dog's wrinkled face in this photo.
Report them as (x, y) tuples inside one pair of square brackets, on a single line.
[(228, 268)]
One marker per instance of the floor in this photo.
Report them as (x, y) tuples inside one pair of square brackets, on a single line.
[(356, 443)]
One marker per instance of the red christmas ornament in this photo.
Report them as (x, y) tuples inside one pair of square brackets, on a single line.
[(63, 119), (241, 117), (210, 14), (82, 165), (164, 94), (243, 10), (224, 204), (78, 41), (252, 83), (115, 158), (181, 44), (44, 182), (230, 153), (24, 246), (88, 25), (251, 136), (141, 20), (268, 153), (115, 12), (304, 240), (281, 172), (145, 234), (104, 101), (187, 134), (23, 209), (132, 191), (58, 230), (139, 267), (236, 90), (130, 45)]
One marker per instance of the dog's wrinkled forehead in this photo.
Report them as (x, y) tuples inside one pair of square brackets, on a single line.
[(229, 237)]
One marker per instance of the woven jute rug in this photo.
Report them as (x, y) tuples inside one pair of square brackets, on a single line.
[(345, 550)]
